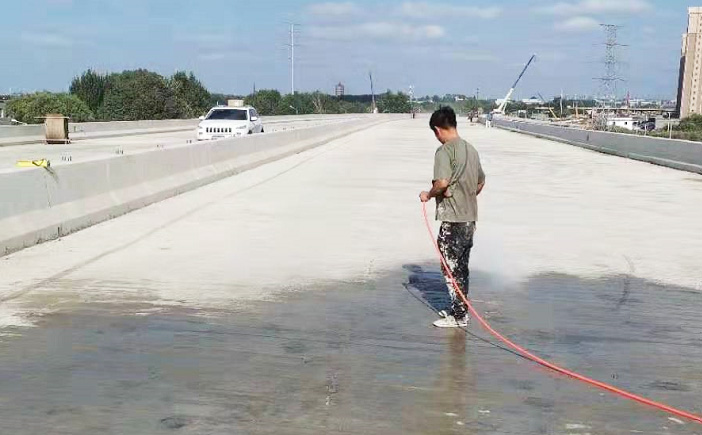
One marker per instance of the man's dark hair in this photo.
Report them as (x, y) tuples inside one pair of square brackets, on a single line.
[(444, 118)]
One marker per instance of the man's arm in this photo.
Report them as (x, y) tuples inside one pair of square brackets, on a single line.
[(442, 175), (438, 188), (481, 178)]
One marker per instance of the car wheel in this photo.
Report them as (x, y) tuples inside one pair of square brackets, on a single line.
[(250, 132), (262, 130)]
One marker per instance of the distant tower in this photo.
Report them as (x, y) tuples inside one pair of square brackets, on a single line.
[(608, 82), (339, 90)]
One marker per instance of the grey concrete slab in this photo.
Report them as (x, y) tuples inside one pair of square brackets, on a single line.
[(275, 301)]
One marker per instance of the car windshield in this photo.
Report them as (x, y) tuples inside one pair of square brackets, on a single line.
[(228, 114)]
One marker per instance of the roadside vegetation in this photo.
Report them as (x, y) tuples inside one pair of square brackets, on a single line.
[(689, 128), (142, 94)]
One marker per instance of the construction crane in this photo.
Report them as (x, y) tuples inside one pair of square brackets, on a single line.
[(502, 107)]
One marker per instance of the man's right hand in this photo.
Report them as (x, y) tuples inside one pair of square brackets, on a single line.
[(424, 196)]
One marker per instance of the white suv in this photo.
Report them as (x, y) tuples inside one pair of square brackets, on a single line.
[(223, 122)]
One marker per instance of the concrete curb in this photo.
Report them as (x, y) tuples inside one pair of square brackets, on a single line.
[(53, 203)]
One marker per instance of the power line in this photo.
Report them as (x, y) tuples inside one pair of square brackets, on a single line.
[(373, 106)]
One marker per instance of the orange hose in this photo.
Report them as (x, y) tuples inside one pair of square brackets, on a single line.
[(541, 361)]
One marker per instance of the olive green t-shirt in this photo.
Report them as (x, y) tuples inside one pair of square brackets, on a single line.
[(458, 162)]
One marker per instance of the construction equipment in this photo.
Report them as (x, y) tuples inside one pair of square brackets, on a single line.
[(550, 109), (502, 107), (56, 127), (40, 163)]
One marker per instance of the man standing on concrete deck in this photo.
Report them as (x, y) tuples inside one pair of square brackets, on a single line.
[(458, 180)]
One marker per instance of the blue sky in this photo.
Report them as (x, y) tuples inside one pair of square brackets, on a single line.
[(446, 46)]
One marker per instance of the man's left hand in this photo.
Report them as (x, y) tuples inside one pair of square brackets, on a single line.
[(424, 197)]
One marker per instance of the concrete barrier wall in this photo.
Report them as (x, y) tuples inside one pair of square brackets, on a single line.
[(118, 126), (677, 154), (39, 204), (9, 131), (22, 134)]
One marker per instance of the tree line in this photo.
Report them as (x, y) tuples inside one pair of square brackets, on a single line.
[(272, 102), (125, 96), (142, 94)]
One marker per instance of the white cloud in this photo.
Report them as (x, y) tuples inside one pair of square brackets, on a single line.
[(597, 7), (444, 10), (213, 57), (378, 30), (467, 56), (577, 24), (218, 55), (47, 40), (331, 9), (206, 38)]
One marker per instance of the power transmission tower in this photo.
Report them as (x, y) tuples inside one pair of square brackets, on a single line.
[(292, 56), (608, 82)]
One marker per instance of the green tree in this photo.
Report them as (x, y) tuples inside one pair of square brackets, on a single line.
[(266, 101), (390, 102), (324, 103), (29, 108), (90, 87), (353, 107), (140, 94), (690, 123), (192, 97), (300, 103)]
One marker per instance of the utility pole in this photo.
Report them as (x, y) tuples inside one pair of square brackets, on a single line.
[(411, 94), (370, 75), (292, 57), (477, 94), (561, 103)]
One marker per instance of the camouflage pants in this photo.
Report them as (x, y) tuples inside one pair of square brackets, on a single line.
[(455, 242)]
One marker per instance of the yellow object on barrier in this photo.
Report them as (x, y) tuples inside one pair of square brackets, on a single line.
[(41, 163)]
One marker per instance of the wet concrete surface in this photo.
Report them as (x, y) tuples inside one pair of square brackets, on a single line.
[(360, 357), (274, 301)]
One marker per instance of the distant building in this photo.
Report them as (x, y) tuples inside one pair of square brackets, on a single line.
[(690, 77), (531, 101), (339, 90), (627, 123), (2, 109)]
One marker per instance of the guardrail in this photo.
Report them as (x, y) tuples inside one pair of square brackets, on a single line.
[(673, 153), (39, 204)]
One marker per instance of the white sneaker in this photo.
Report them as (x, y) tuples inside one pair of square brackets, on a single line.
[(451, 322)]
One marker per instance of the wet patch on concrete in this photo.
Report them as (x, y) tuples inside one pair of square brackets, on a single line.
[(359, 357)]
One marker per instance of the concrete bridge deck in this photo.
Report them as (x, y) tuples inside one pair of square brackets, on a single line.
[(289, 299)]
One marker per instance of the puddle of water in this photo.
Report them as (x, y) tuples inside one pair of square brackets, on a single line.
[(357, 358)]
